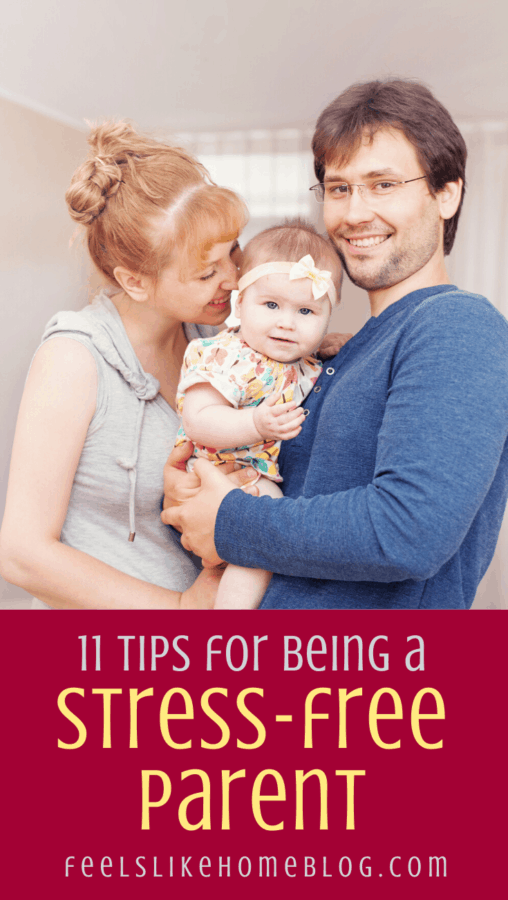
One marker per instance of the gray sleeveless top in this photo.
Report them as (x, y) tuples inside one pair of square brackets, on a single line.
[(118, 484)]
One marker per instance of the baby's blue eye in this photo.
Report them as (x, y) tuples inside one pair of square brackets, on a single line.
[(271, 304), (305, 311)]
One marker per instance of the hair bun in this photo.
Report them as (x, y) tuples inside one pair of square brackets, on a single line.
[(97, 180), (100, 176)]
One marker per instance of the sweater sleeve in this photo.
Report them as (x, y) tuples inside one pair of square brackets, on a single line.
[(441, 438)]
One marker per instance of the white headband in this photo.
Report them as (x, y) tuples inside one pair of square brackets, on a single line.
[(321, 279)]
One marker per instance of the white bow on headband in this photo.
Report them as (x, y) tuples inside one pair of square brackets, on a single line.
[(321, 279)]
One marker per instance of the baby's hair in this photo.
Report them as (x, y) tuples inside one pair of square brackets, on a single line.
[(288, 242), (141, 199)]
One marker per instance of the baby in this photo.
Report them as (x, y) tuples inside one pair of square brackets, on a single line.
[(242, 389)]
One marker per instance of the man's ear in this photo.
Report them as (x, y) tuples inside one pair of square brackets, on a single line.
[(138, 287), (448, 198)]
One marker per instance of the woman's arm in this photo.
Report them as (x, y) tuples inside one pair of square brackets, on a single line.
[(56, 409), (209, 419)]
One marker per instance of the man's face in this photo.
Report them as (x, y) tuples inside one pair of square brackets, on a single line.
[(383, 242)]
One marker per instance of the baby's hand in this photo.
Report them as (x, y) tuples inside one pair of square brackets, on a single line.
[(278, 423)]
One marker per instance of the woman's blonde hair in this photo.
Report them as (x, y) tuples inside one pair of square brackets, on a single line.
[(141, 200)]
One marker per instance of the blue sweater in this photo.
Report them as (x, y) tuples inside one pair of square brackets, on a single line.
[(396, 486)]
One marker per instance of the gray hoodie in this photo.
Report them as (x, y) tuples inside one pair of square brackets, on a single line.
[(118, 484)]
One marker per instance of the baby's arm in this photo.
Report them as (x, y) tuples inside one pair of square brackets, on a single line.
[(209, 419), (242, 588)]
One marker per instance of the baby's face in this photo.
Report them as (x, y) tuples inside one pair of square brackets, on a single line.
[(281, 319)]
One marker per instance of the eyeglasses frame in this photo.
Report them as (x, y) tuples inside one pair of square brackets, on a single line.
[(321, 185)]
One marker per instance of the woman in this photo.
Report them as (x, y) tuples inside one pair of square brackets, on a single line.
[(97, 418)]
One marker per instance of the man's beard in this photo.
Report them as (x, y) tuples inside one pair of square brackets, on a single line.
[(401, 265), (385, 277)]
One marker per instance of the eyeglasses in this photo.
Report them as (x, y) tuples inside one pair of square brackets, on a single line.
[(374, 191)]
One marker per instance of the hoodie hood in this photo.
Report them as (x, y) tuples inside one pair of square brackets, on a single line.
[(102, 324)]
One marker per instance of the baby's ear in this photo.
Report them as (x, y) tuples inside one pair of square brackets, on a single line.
[(237, 305)]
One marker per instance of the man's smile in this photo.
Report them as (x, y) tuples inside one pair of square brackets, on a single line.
[(371, 241)]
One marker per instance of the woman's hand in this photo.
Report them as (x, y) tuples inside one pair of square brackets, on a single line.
[(278, 422), (331, 344), (179, 485), (202, 594)]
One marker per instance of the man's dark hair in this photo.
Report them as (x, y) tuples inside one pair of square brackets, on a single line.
[(407, 106)]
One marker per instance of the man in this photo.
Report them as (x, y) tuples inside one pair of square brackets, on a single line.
[(396, 486)]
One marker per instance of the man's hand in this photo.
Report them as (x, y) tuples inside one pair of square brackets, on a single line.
[(196, 516), (332, 343), (180, 485), (278, 422)]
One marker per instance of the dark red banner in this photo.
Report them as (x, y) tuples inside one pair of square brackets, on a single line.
[(337, 754)]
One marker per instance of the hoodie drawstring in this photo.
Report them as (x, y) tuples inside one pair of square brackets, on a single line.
[(130, 466)]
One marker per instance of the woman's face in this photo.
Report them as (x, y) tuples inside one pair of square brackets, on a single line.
[(204, 297)]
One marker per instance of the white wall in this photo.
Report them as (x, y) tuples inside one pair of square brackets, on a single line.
[(39, 273)]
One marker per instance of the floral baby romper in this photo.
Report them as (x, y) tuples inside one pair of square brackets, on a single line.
[(244, 377)]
